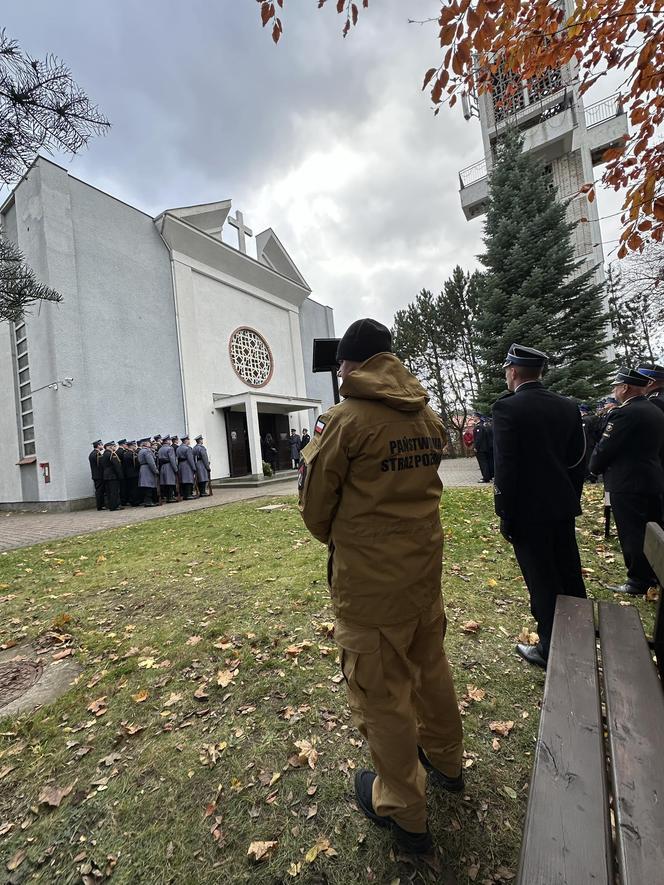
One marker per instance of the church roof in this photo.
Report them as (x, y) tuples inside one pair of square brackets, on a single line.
[(208, 217), (271, 251)]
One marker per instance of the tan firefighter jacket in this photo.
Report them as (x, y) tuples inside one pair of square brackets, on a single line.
[(369, 489)]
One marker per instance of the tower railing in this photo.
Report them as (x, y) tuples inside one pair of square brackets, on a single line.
[(603, 110), (473, 173)]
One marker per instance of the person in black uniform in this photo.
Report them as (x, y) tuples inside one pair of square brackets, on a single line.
[(97, 472), (121, 452), (131, 467), (655, 388), (112, 469), (630, 456), (483, 444), (539, 450)]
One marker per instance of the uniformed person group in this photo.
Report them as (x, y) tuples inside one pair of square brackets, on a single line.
[(369, 489), (149, 471)]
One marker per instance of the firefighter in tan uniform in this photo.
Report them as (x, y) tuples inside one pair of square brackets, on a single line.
[(369, 489)]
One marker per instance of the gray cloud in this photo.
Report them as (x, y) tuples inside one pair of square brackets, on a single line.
[(328, 141)]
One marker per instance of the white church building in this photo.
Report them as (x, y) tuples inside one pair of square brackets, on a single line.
[(164, 328)]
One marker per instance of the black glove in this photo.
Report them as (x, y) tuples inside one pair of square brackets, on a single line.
[(506, 530)]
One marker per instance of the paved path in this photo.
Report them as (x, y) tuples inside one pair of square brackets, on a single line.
[(19, 529)]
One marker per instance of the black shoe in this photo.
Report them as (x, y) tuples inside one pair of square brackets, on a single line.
[(630, 589), (532, 654), (451, 784), (410, 843)]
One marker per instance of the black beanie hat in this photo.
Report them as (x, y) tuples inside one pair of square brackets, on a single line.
[(364, 339)]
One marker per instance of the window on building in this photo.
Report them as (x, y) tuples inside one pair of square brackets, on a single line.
[(508, 94), (22, 375)]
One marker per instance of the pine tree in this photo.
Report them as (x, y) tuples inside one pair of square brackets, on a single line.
[(533, 292)]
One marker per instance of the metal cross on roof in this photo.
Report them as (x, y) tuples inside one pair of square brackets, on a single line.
[(242, 231)]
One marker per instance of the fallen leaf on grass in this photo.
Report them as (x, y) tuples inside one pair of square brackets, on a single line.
[(193, 640), (501, 728), (201, 692), (5, 770), (322, 846), (495, 744), (470, 627), (147, 664), (173, 698), (260, 851), (528, 637), (224, 678), (17, 859), (306, 755), (130, 729), (62, 654), (294, 869), (53, 795), (140, 696), (98, 707), (6, 828), (492, 582), (653, 594), (475, 693), (508, 791)]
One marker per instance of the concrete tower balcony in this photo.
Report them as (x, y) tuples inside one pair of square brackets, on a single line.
[(549, 132)]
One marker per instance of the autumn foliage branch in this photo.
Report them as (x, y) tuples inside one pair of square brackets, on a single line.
[(526, 40)]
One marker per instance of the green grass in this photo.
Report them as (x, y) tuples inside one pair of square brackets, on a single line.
[(154, 806)]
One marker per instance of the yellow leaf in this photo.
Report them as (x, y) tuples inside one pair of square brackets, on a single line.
[(140, 696)]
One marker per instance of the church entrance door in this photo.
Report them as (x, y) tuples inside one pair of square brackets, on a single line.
[(277, 426), (237, 438)]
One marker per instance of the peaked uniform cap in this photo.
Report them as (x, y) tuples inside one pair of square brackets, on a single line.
[(629, 376), (199, 438), (122, 442), (144, 440), (111, 443), (132, 442), (96, 443), (652, 371), (519, 355), (157, 437)]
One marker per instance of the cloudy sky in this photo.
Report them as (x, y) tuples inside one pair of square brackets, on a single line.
[(328, 141)]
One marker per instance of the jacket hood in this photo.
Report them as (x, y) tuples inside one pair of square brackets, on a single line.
[(384, 377)]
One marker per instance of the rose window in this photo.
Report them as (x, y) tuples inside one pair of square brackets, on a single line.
[(251, 357)]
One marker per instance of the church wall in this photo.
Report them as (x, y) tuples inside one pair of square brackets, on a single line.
[(316, 321), (129, 365), (10, 476), (210, 311), (117, 316)]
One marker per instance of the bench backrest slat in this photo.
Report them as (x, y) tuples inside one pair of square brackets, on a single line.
[(635, 716), (567, 837), (654, 550)]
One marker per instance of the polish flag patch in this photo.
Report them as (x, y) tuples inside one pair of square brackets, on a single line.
[(320, 426)]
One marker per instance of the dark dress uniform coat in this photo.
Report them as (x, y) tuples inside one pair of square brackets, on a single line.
[(539, 457), (630, 454), (113, 476), (97, 474)]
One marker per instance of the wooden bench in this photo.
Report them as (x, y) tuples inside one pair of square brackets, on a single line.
[(596, 803)]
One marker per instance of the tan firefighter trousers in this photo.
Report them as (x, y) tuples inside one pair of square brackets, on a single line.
[(401, 694)]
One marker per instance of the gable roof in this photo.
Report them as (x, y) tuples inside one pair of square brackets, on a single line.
[(208, 217), (271, 251)]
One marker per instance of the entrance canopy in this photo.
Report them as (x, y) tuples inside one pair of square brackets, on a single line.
[(255, 404), (264, 402)]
